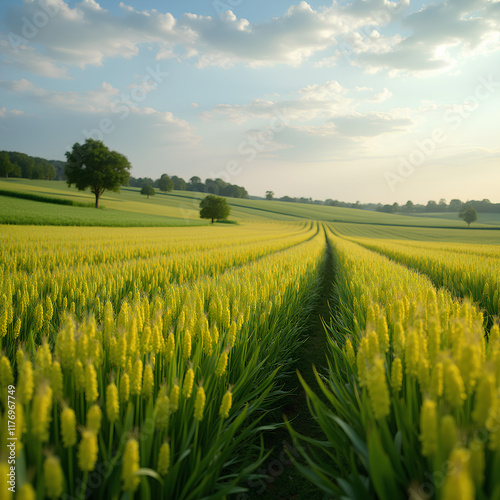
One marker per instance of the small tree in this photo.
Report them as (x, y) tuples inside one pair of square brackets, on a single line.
[(148, 190), (269, 195), (92, 165), (214, 207), (469, 215), (165, 183)]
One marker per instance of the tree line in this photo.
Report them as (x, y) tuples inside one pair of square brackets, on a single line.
[(455, 205), (167, 183), (14, 164), (432, 206)]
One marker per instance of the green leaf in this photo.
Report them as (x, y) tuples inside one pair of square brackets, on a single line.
[(381, 470), (149, 472)]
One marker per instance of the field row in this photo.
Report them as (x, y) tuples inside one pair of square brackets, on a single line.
[(155, 388), (40, 286), (411, 401), (468, 271)]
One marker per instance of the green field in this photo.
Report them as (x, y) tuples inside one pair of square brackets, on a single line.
[(130, 208), (173, 352), (482, 218), (451, 234)]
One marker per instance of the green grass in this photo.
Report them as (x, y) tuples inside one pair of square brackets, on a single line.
[(130, 208), (44, 199), (482, 218), (457, 235), (18, 211)]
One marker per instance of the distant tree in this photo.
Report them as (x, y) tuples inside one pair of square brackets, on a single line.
[(195, 184), (388, 209), (6, 167), (92, 165), (410, 207), (59, 168), (25, 163), (269, 195), (165, 183), (139, 182), (43, 169), (148, 190), (395, 207), (431, 206), (469, 215), (179, 183), (442, 205), (332, 203), (455, 205), (214, 207)]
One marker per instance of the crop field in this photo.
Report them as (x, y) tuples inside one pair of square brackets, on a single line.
[(144, 361), (484, 218), (129, 208), (151, 362), (410, 404)]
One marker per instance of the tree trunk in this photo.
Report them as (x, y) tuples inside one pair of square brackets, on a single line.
[(212, 221), (97, 200)]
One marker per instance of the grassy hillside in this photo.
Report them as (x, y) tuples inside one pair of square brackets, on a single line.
[(482, 218), (130, 208), (452, 235)]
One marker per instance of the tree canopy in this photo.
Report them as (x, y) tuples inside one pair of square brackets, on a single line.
[(468, 214), (148, 190), (214, 207), (165, 183), (179, 183), (6, 167), (92, 165)]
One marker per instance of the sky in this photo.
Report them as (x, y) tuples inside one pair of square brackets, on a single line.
[(365, 100)]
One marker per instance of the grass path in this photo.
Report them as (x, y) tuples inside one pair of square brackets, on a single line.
[(284, 482)]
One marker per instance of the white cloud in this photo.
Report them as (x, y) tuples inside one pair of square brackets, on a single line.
[(307, 103), (103, 102), (382, 96), (27, 58), (92, 101), (4, 112), (442, 35), (86, 34), (370, 124)]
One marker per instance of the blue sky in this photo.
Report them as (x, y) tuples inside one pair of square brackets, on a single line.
[(364, 100)]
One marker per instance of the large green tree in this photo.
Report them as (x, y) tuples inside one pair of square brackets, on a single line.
[(214, 207), (165, 183), (92, 165)]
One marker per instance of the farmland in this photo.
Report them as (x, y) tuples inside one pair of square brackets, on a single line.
[(154, 362)]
